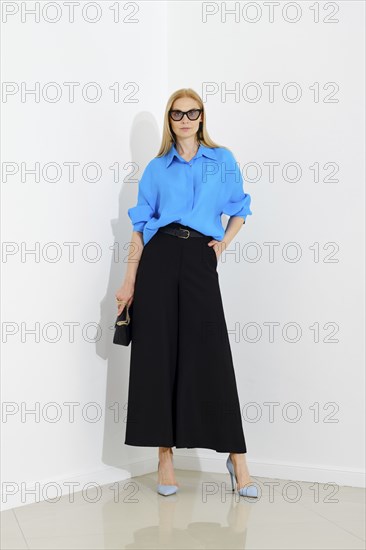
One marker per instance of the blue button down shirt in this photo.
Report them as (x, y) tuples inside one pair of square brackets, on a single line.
[(194, 193)]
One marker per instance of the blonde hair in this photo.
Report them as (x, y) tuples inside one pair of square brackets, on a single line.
[(168, 136)]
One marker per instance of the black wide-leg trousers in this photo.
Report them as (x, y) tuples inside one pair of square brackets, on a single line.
[(182, 388)]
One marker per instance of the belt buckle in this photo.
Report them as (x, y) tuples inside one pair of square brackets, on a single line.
[(182, 229)]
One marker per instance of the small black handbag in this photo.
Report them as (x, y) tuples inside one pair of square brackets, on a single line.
[(123, 327)]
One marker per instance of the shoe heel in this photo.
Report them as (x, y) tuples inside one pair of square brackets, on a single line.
[(230, 467), (232, 481)]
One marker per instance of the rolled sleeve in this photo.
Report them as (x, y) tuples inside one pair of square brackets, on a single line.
[(145, 207), (238, 203)]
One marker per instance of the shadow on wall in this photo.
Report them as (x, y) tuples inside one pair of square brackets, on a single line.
[(144, 144)]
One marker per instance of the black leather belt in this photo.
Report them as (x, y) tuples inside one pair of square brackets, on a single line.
[(178, 230)]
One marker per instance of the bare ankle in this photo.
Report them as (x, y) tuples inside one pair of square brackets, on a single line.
[(236, 456), (165, 452)]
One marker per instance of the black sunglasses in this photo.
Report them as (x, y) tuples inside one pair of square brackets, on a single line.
[(192, 114)]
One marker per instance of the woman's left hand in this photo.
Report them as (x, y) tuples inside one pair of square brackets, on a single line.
[(219, 247)]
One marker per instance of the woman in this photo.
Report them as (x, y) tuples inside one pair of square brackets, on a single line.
[(182, 387)]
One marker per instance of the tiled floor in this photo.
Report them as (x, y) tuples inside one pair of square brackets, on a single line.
[(203, 514)]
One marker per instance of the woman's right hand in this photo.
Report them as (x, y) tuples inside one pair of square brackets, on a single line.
[(125, 293)]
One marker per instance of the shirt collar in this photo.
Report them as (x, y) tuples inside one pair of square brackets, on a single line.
[(208, 152)]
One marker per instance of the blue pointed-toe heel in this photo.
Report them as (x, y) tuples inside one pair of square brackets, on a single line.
[(249, 491), (166, 490)]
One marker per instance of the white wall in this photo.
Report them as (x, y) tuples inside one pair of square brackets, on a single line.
[(168, 48), (83, 291)]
